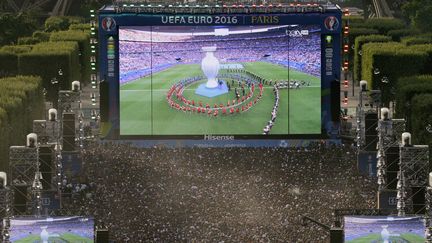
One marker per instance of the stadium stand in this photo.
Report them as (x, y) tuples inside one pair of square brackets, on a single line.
[(143, 52)]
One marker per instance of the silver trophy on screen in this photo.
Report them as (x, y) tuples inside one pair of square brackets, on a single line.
[(210, 66)]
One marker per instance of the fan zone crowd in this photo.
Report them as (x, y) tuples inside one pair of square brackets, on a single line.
[(220, 194)]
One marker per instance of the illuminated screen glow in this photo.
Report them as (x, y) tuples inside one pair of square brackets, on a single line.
[(384, 229), (55, 229), (196, 80)]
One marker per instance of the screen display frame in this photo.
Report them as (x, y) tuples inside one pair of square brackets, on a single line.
[(52, 220), (385, 222), (109, 69)]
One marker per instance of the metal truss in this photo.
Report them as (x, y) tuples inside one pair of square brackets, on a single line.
[(4, 202), (369, 101), (70, 102), (53, 168), (414, 165), (389, 163), (389, 135), (23, 165), (48, 132)]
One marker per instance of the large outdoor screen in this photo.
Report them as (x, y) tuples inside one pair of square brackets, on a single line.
[(236, 80), (361, 229), (55, 229)]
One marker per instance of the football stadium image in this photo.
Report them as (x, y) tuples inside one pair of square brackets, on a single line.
[(193, 80), (58, 229), (378, 229)]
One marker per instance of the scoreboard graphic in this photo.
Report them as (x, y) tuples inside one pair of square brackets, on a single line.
[(226, 73)]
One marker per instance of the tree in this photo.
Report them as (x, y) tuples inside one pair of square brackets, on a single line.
[(14, 26), (423, 19), (419, 13)]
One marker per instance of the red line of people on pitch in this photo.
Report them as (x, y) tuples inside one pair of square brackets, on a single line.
[(231, 108)]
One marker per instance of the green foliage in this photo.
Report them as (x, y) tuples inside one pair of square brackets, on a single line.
[(355, 32), (384, 63), (384, 25), (420, 118), (75, 19), (359, 24), (46, 59), (21, 102), (396, 35), (41, 35), (8, 63), (418, 11), (423, 19), (82, 27), (359, 41), (354, 20), (27, 40), (83, 39), (70, 35), (428, 49), (9, 59), (417, 40), (17, 49), (407, 87), (13, 26), (56, 23)]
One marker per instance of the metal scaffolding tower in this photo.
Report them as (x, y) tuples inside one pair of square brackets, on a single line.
[(369, 103), (70, 103), (47, 131), (389, 134), (23, 165), (414, 166)]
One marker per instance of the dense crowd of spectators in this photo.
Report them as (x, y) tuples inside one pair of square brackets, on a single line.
[(144, 54), (220, 194)]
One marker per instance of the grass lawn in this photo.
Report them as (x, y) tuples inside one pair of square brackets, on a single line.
[(145, 111)]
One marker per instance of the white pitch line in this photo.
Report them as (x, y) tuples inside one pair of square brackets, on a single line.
[(161, 90)]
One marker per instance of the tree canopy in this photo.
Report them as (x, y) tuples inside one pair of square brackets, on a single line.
[(418, 12), (13, 26)]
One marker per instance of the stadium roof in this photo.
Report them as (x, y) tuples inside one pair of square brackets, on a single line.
[(206, 30), (140, 7)]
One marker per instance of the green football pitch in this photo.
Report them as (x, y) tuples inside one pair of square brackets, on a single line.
[(144, 109), (63, 238), (376, 238)]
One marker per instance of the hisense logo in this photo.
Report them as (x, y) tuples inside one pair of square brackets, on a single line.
[(211, 137)]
